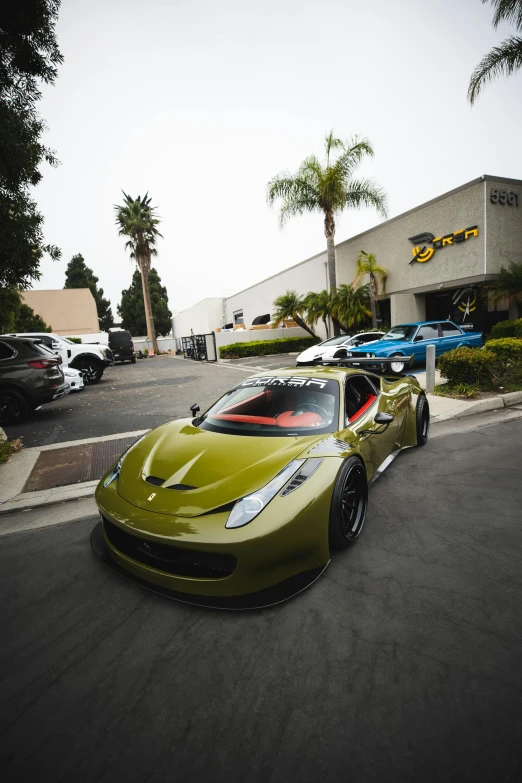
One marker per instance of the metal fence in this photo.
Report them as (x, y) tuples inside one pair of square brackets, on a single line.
[(200, 347)]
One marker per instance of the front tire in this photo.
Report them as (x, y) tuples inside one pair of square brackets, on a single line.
[(349, 505), (13, 406), (422, 420), (92, 371), (397, 367)]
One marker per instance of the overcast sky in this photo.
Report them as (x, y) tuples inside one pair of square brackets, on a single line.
[(201, 103)]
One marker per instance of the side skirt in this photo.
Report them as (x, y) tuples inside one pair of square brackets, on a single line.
[(382, 467)]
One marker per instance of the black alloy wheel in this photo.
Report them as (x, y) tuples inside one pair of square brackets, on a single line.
[(92, 371), (13, 407), (422, 419), (349, 504)]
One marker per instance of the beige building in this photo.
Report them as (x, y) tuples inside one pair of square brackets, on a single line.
[(67, 310)]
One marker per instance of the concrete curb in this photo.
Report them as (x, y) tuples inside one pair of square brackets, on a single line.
[(475, 407)]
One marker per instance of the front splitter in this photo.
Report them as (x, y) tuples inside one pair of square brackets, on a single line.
[(271, 596)]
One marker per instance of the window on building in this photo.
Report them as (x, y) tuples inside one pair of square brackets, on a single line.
[(238, 317)]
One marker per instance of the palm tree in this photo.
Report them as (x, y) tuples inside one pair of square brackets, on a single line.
[(367, 265), (290, 305), (351, 306), (318, 307), (328, 189), (504, 59), (136, 219)]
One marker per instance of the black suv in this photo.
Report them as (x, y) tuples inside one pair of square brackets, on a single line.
[(121, 345), (30, 375)]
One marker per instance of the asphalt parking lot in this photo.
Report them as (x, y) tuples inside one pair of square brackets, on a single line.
[(402, 663)]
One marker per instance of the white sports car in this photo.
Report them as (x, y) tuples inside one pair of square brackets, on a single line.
[(328, 348), (74, 378)]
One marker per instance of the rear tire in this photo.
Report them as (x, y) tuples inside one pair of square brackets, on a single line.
[(92, 371), (133, 360), (13, 406), (349, 505), (422, 420)]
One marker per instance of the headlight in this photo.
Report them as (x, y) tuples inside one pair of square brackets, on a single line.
[(114, 472), (369, 355), (249, 507)]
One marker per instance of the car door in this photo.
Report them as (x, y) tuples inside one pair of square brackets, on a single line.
[(428, 334), (375, 441)]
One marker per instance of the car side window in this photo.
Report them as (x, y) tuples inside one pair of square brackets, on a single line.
[(450, 330), (427, 332), (6, 352)]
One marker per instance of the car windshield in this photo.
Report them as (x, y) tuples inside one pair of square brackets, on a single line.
[(400, 333), (276, 407), (336, 340)]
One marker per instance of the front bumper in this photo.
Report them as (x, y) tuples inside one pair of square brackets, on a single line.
[(282, 551)]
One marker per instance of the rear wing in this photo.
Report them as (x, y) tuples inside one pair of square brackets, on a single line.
[(377, 363)]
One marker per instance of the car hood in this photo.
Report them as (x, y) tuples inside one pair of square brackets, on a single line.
[(213, 469)]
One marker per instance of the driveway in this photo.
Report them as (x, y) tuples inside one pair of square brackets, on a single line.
[(402, 663)]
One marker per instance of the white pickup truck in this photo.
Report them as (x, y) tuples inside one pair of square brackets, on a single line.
[(90, 358)]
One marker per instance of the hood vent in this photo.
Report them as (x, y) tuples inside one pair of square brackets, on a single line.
[(155, 480), (180, 487)]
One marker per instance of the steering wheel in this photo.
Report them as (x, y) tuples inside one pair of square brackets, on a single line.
[(305, 408)]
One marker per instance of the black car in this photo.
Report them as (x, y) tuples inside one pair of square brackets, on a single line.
[(30, 376), (121, 345)]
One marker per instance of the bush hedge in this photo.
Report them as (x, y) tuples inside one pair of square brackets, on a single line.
[(511, 328), (498, 363), (467, 365), (264, 347)]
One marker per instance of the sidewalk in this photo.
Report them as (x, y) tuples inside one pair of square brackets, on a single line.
[(46, 475)]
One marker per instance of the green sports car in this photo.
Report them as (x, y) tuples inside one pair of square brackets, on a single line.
[(241, 506)]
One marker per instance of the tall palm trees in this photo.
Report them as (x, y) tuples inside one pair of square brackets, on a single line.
[(328, 189), (503, 59), (136, 219), (367, 265), (290, 305)]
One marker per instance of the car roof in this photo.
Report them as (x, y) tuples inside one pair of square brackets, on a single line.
[(422, 323)]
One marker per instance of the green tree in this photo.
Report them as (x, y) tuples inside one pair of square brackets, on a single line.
[(367, 265), (318, 308), (29, 56), (15, 316), (137, 220), (504, 59), (290, 305), (79, 275), (132, 307), (328, 189), (29, 321), (351, 306)]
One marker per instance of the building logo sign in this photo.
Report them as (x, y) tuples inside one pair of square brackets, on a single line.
[(426, 244), (466, 301)]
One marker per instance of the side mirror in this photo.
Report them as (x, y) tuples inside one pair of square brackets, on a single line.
[(380, 418), (194, 409), (383, 418)]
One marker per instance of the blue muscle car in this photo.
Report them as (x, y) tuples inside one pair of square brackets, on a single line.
[(412, 339)]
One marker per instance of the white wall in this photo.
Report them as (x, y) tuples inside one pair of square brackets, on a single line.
[(259, 299), (201, 318)]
